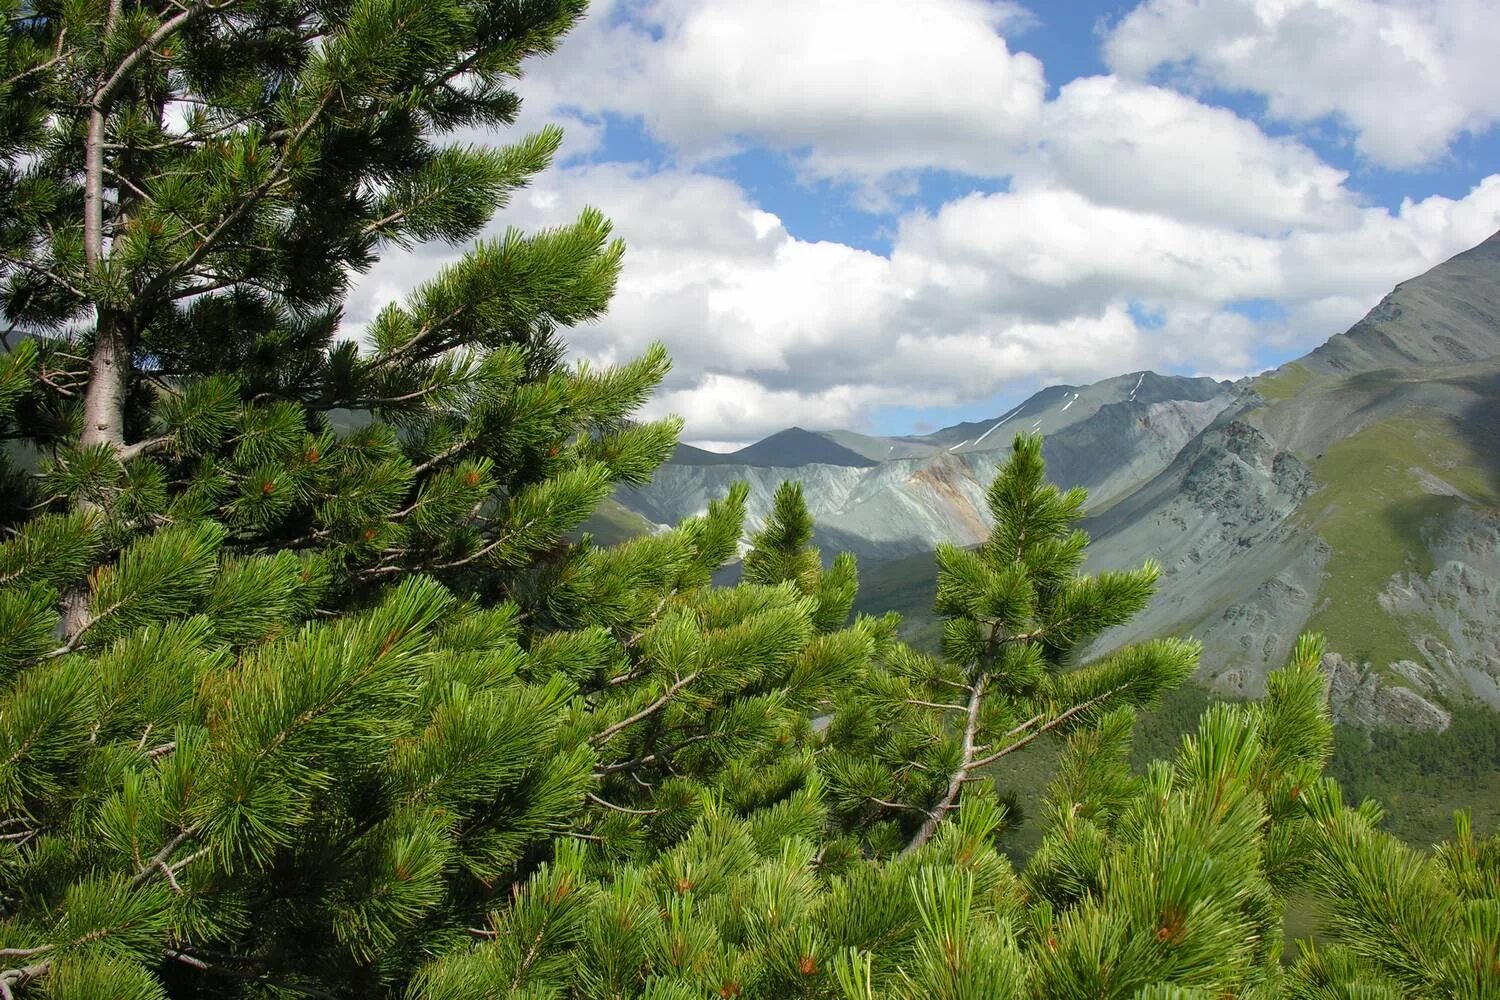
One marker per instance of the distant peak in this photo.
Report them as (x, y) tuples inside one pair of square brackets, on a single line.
[(786, 449)]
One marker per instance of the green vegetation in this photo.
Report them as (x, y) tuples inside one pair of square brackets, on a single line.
[(908, 587), (313, 685), (1372, 510), (1016, 614), (1422, 778), (612, 523), (1284, 383)]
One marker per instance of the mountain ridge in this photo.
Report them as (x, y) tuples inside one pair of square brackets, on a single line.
[(1354, 490)]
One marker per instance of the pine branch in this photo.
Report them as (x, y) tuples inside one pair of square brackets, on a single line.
[(21, 976), (605, 735), (427, 331), (150, 446), (897, 805), (941, 706), (160, 858), (632, 764), (956, 781), (218, 968), (621, 809), (1049, 727), (449, 452), (158, 862), (135, 189), (166, 30), (59, 56), (42, 272), (243, 206)]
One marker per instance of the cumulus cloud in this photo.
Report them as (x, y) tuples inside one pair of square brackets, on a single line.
[(858, 88), (1136, 220), (986, 294), (1406, 76), (1149, 148)]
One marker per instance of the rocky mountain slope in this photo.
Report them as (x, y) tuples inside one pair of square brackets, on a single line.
[(1355, 491), (883, 498)]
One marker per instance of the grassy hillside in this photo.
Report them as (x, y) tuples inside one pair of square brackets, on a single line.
[(1283, 383), (1379, 489), (613, 523)]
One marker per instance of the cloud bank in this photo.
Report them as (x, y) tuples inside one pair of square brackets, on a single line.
[(1122, 222)]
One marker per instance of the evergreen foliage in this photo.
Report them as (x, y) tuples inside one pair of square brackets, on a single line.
[(302, 669), (307, 688), (1017, 612)]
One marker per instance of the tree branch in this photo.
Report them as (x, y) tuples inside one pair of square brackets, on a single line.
[(936, 704), (605, 735), (956, 781), (610, 805), (133, 58), (147, 447), (244, 205), (1044, 730), (20, 977)]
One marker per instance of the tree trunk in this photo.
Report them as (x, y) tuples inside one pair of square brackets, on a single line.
[(109, 370), (104, 396), (104, 399)]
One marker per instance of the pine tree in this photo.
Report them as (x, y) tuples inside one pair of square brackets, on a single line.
[(303, 670), (189, 187), (1017, 612), (309, 688), (1162, 885), (782, 551), (1404, 924)]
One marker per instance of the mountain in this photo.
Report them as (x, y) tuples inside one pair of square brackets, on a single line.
[(1355, 491), (883, 498), (784, 449)]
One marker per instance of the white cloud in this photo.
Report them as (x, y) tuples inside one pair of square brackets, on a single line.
[(1124, 198), (991, 293), (1407, 76), (876, 91), (1151, 148), (738, 408), (859, 88)]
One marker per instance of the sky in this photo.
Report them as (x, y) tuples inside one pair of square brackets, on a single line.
[(893, 215)]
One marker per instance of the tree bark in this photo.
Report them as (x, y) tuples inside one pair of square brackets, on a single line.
[(104, 398), (109, 369)]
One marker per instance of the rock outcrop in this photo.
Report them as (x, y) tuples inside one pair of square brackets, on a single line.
[(1358, 694)]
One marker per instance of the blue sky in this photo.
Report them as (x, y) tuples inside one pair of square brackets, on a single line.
[(890, 215)]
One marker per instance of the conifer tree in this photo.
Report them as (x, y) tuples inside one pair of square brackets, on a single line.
[(302, 669), (1403, 924), (1162, 885), (1017, 612), (782, 551), (306, 689), (189, 187)]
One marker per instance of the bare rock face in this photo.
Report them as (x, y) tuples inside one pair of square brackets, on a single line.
[(1358, 695), (1238, 573), (1452, 612)]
